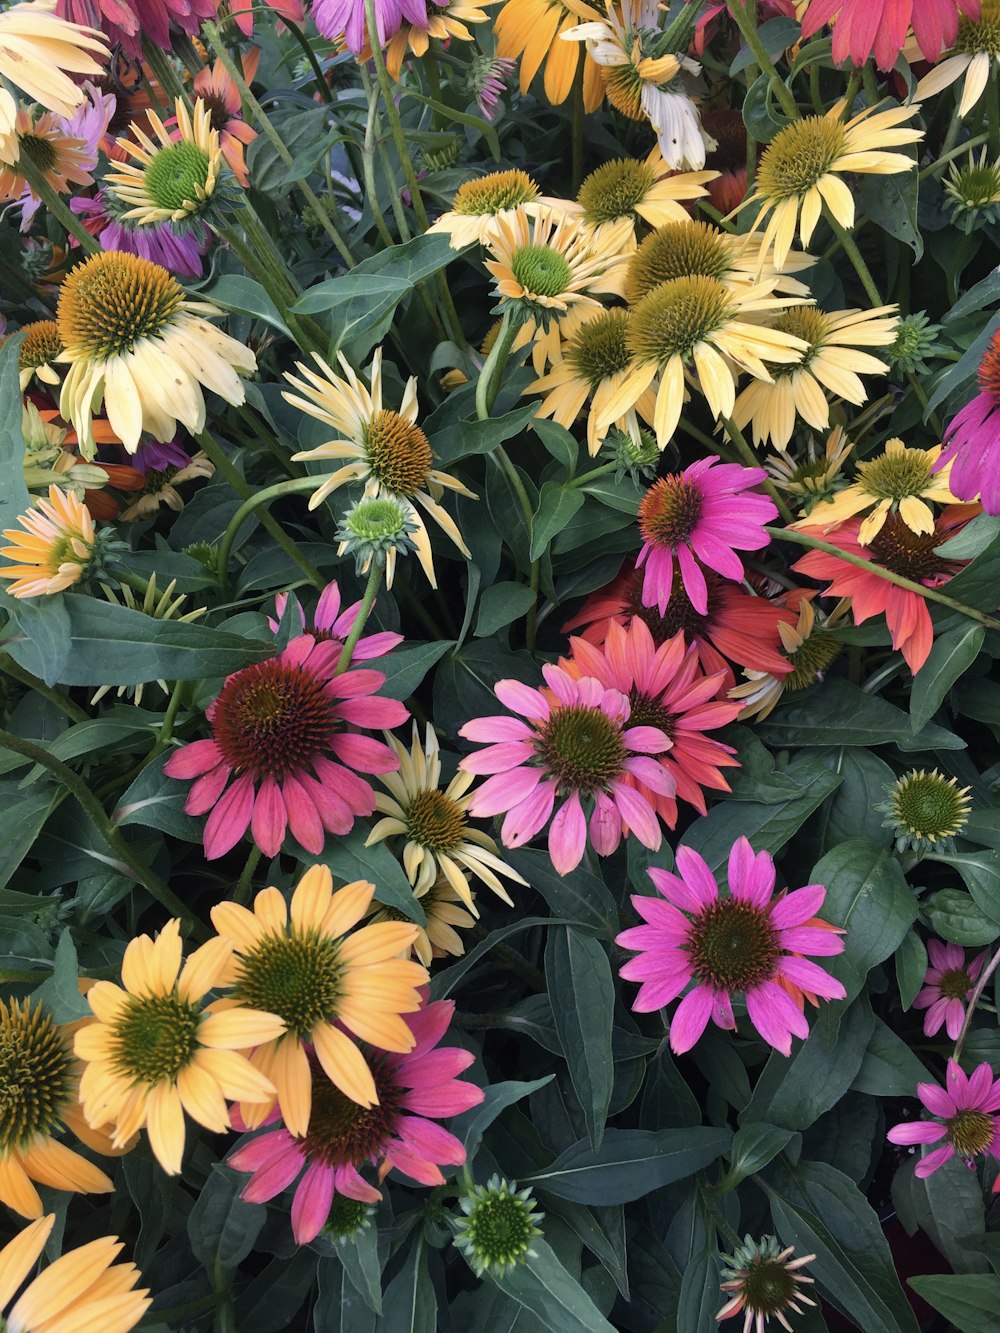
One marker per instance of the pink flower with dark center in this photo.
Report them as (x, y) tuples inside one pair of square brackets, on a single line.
[(279, 727), (748, 943), (346, 18), (414, 1091), (331, 625), (703, 516), (964, 1109), (578, 747), (864, 27), (946, 988), (667, 689), (972, 437), (128, 21)]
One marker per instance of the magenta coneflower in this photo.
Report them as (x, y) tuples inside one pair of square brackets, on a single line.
[(576, 747), (346, 18), (667, 689), (331, 625), (278, 728), (748, 942), (414, 1091), (946, 988), (704, 514), (966, 1122), (972, 438)]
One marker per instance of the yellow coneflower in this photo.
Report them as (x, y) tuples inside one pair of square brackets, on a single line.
[(40, 348), (830, 367), (591, 367), (55, 548), (811, 477), (532, 31), (634, 188), (435, 824), (479, 202), (801, 170), (443, 22), (975, 51), (38, 52), (446, 916), (170, 179), (699, 327), (82, 1291), (161, 487), (901, 480), (157, 1050), (386, 450), (136, 343), (8, 131), (810, 645), (61, 159), (549, 268)]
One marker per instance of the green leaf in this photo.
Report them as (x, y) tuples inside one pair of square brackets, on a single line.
[(233, 291), (349, 859), (271, 1302), (891, 203), (412, 261), (405, 669), (13, 493), (971, 1301), (981, 872), (948, 1207), (838, 713), (579, 977), (580, 897), (950, 657), (961, 374), (630, 1163), (221, 1227), (851, 811), (25, 813), (556, 506), (44, 624), (459, 117), (359, 1255), (472, 1125), (622, 495), (890, 1068), (559, 442), (465, 438), (156, 801), (777, 36), (542, 1285), (955, 917), (355, 303), (760, 114), (699, 1298), (339, 1307), (501, 604), (973, 539), (60, 992), (409, 1304), (911, 967), (753, 1146)]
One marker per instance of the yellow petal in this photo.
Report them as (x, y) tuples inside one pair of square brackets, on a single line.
[(204, 969), (165, 1126), (239, 1029), (17, 1258), (311, 899), (291, 1075), (344, 1065)]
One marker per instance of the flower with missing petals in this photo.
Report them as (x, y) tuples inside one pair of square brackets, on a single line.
[(965, 1121)]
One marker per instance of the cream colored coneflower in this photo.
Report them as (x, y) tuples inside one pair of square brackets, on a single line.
[(433, 825), (136, 343), (38, 53), (901, 480), (479, 202), (8, 127), (635, 188), (976, 50), (173, 176), (592, 365), (445, 917), (55, 548), (801, 170), (40, 348), (700, 329), (810, 645), (830, 368), (80, 1292), (322, 976), (444, 21), (161, 488), (386, 450), (811, 477), (157, 1050), (61, 159)]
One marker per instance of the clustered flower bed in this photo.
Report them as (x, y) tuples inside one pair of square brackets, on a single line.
[(499, 608)]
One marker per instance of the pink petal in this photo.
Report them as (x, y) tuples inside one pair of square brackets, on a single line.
[(775, 1016), (916, 1131), (697, 877), (192, 760), (751, 877), (303, 817), (568, 836), (269, 819), (811, 978), (637, 812), (206, 790), (526, 818), (798, 907), (230, 819), (521, 698), (311, 1205), (430, 1140), (690, 1019), (503, 791), (364, 754), (499, 728)]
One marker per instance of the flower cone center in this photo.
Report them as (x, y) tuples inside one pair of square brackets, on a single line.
[(672, 318), (377, 520), (980, 36), (768, 1287), (800, 155), (500, 1229), (906, 552), (598, 349), (342, 1133), (895, 476), (346, 1217), (970, 1133), (810, 661), (398, 452), (272, 719), (178, 176), (680, 615), (975, 186), (155, 1037), (35, 1074), (807, 324), (733, 945), (494, 193), (989, 369), (614, 189), (669, 511), (294, 976), (435, 821), (929, 806), (677, 250), (38, 150), (113, 301), (41, 344), (623, 88), (540, 270), (649, 712), (582, 748), (955, 984)]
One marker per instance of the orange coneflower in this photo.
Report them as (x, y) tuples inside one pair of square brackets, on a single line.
[(221, 96)]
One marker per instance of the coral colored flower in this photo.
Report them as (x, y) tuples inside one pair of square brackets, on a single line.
[(964, 1109), (280, 733), (400, 1132), (947, 985), (972, 437), (221, 96), (129, 21), (864, 27), (666, 689), (735, 627), (762, 1282), (331, 625), (748, 942), (576, 747), (898, 548), (320, 975), (701, 516)]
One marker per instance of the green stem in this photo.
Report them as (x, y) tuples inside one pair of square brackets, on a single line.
[(853, 84), (322, 87), (295, 486), (40, 187), (594, 473), (942, 159), (491, 375), (745, 18), (576, 130), (11, 668), (750, 458), (929, 594), (974, 998), (164, 73), (170, 715), (242, 894), (993, 112), (373, 135), (91, 806), (364, 611)]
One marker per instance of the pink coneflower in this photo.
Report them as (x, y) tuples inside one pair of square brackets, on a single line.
[(946, 988), (973, 438), (576, 747), (128, 21), (331, 625), (965, 1121), (706, 513), (158, 242), (864, 27), (278, 728), (399, 1132), (346, 18), (666, 689), (748, 942), (487, 78)]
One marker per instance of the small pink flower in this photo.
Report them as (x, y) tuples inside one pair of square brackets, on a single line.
[(704, 514), (576, 747), (414, 1091), (331, 625), (966, 1122), (278, 729), (946, 988), (748, 942)]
